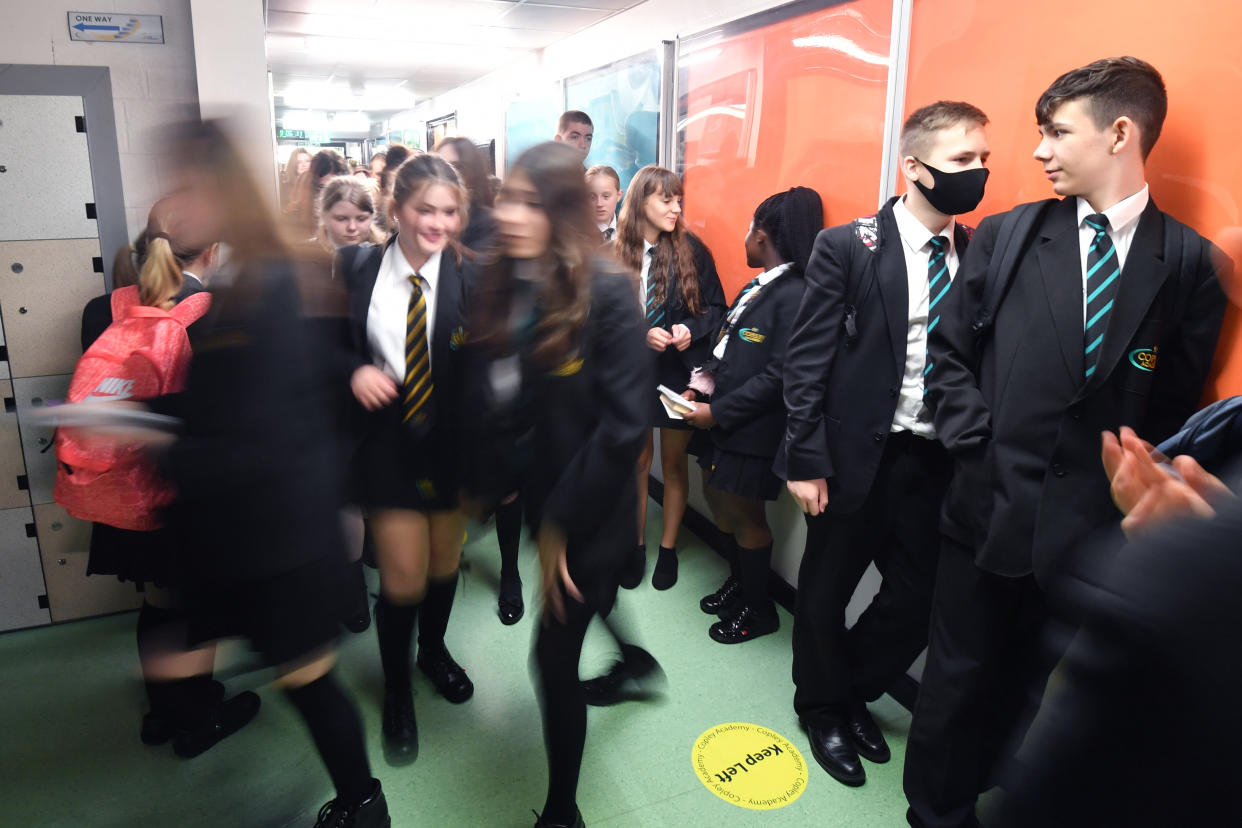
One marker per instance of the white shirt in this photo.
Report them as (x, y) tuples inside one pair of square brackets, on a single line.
[(1123, 218), (765, 278), (642, 281), (390, 302), (916, 245), (612, 225)]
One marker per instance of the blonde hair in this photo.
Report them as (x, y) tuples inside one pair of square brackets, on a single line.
[(159, 259), (354, 190)]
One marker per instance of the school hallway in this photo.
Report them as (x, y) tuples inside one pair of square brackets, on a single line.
[(73, 702)]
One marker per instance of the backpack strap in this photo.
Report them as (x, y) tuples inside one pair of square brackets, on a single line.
[(192, 308), (123, 299), (1011, 241), (867, 230)]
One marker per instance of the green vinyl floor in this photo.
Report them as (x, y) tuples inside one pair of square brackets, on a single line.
[(71, 703)]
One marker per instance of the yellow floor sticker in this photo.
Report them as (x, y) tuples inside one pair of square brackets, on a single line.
[(750, 766)]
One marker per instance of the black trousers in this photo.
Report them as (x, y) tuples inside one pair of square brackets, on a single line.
[(897, 528), (986, 668)]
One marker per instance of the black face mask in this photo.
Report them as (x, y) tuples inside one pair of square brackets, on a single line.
[(954, 193)]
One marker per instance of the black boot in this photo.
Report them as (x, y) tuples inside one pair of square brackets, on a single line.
[(394, 627), (447, 675), (371, 812)]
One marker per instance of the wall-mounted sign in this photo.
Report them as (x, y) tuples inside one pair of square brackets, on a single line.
[(116, 28), (291, 134)]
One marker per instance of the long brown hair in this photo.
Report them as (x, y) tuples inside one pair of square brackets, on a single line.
[(673, 259), (472, 167), (555, 170), (155, 261)]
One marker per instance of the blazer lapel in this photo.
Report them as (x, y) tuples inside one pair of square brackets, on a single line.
[(1142, 277), (1060, 264), (890, 271), (448, 310), (362, 286)]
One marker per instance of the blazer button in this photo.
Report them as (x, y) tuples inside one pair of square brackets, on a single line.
[(892, 392), (1059, 470), (878, 437), (1076, 411)]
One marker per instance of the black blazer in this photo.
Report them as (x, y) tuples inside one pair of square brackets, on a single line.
[(1014, 408), (843, 382), (747, 404), (361, 266), (673, 366), (588, 421)]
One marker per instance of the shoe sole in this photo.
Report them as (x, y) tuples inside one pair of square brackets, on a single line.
[(398, 757), (750, 637)]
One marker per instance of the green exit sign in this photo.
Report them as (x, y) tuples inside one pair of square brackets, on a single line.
[(291, 134)]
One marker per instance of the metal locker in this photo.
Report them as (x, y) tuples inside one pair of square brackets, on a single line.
[(23, 599), (32, 393), (64, 544), (43, 287), (13, 483), (46, 182)]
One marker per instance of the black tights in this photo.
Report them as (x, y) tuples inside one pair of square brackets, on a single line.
[(336, 729), (558, 649)]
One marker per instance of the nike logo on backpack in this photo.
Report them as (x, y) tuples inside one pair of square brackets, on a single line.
[(112, 388)]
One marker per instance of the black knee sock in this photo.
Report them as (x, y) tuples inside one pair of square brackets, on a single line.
[(156, 628), (394, 627), (183, 703), (436, 609), (558, 649), (509, 535), (731, 555), (755, 566), (337, 732)]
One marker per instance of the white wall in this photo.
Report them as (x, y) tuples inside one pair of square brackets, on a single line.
[(152, 85)]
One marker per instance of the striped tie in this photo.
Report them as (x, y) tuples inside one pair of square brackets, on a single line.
[(1103, 272), (731, 317), (938, 283), (418, 386), (655, 313)]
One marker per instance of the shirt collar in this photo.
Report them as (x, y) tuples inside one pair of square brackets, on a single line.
[(913, 233), (647, 246), (770, 275), (1121, 214), (430, 271), (612, 224)]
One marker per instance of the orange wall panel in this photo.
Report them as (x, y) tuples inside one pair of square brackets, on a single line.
[(800, 102), (1001, 56)]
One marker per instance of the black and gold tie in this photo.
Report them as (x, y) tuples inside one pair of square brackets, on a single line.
[(417, 388)]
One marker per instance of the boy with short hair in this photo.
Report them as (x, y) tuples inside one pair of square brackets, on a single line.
[(604, 185), (576, 129), (1107, 316)]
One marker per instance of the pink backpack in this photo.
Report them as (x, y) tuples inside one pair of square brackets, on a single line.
[(144, 353)]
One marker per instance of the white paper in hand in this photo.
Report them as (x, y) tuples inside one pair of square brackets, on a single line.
[(675, 404)]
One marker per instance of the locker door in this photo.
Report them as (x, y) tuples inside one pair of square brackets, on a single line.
[(64, 544), (46, 186), (23, 599)]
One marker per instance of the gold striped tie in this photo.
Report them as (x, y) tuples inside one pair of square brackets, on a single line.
[(415, 404)]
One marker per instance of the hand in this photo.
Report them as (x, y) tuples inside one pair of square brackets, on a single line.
[(680, 337), (372, 387), (658, 339), (810, 495), (691, 395), (701, 416), (553, 565)]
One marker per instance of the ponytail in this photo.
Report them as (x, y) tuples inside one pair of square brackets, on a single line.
[(124, 273), (160, 279)]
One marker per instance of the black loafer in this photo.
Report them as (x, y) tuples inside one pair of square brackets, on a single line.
[(400, 728), (578, 822), (724, 599), (665, 574), (371, 812), (448, 677), (637, 678), (510, 607), (866, 735), (225, 720), (632, 573), (747, 625), (831, 746)]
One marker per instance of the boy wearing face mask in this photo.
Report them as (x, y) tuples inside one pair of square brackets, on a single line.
[(860, 452)]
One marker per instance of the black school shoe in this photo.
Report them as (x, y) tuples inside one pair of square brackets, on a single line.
[(747, 625), (226, 719), (638, 677), (665, 574), (510, 607), (866, 735), (724, 600), (371, 812), (447, 675), (578, 822), (400, 728), (632, 573)]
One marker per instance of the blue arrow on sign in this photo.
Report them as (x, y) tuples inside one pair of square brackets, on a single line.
[(81, 27)]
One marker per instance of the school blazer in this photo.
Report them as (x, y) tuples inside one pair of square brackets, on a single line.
[(843, 380), (747, 404), (1013, 407), (452, 289), (675, 366)]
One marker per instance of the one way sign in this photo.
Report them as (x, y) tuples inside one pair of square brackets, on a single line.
[(116, 28)]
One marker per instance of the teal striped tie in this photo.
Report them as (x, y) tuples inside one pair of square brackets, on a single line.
[(1103, 276), (655, 312), (938, 283)]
